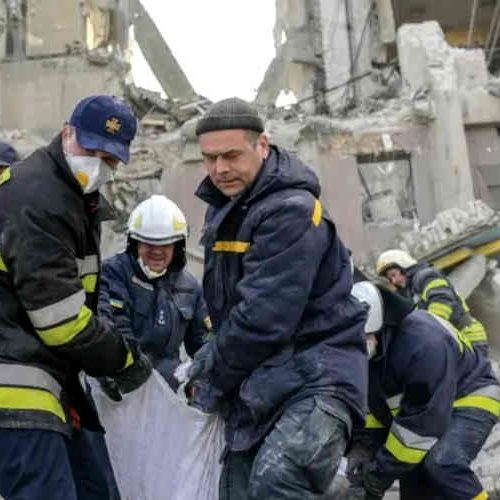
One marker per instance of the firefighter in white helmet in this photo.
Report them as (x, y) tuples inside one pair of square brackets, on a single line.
[(146, 292), (431, 290)]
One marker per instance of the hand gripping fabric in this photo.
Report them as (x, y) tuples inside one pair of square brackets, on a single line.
[(160, 447)]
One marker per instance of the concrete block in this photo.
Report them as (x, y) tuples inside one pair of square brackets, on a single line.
[(470, 67), (28, 90), (53, 27), (419, 46)]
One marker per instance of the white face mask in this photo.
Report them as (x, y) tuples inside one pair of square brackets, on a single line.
[(150, 273), (91, 172)]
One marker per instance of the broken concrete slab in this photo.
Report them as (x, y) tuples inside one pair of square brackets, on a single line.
[(159, 56)]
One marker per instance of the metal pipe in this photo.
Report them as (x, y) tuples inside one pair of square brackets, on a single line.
[(494, 42), (350, 41), (493, 22), (472, 22)]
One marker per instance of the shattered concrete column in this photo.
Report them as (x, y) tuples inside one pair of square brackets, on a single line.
[(349, 45), (386, 22), (427, 65)]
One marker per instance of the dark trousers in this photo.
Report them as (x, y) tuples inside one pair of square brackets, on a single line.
[(40, 465), (297, 460), (447, 466)]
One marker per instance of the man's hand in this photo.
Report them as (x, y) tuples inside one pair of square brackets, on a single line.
[(203, 361), (374, 483), (110, 388), (132, 377), (204, 396)]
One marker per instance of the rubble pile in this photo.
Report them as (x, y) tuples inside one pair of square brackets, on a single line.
[(448, 226)]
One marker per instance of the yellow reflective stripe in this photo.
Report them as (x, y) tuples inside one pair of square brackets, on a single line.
[(482, 402), (403, 453), (464, 304), (439, 309), (475, 332), (231, 246), (89, 283), (439, 282), (129, 361), (5, 176), (482, 496), (371, 422), (318, 211), (64, 333), (3, 267), (27, 398)]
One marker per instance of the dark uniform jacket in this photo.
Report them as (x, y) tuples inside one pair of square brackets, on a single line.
[(160, 314), (49, 241), (428, 369), (277, 283), (433, 292)]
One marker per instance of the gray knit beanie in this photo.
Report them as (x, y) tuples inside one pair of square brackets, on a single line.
[(232, 113)]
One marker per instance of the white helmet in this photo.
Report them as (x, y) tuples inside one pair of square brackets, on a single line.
[(157, 221), (367, 292), (393, 258)]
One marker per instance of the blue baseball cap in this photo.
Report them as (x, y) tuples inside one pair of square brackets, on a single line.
[(8, 155), (105, 123)]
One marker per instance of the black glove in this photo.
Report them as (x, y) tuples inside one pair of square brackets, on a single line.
[(132, 377), (110, 388), (205, 397), (203, 361), (374, 482)]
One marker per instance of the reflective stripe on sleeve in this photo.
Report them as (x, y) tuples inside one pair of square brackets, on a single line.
[(454, 333), (439, 309), (482, 496), (318, 211), (475, 332), (437, 283), (3, 267), (485, 398), (29, 376), (128, 361), (27, 398), (407, 446), (371, 422), (231, 246), (89, 283), (64, 333), (58, 312), (88, 265)]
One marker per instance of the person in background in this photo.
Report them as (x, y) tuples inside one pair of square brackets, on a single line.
[(147, 294), (433, 401), (432, 291), (50, 213)]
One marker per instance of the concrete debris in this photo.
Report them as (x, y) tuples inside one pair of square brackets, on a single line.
[(153, 110), (449, 226), (487, 463)]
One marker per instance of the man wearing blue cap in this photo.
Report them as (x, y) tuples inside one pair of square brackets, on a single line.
[(50, 209)]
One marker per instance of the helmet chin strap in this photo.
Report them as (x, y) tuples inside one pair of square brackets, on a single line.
[(149, 272)]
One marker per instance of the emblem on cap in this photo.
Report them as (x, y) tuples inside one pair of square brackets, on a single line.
[(113, 125)]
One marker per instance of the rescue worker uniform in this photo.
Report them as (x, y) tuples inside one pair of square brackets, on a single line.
[(433, 401), (433, 292), (160, 313), (290, 363), (49, 266)]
